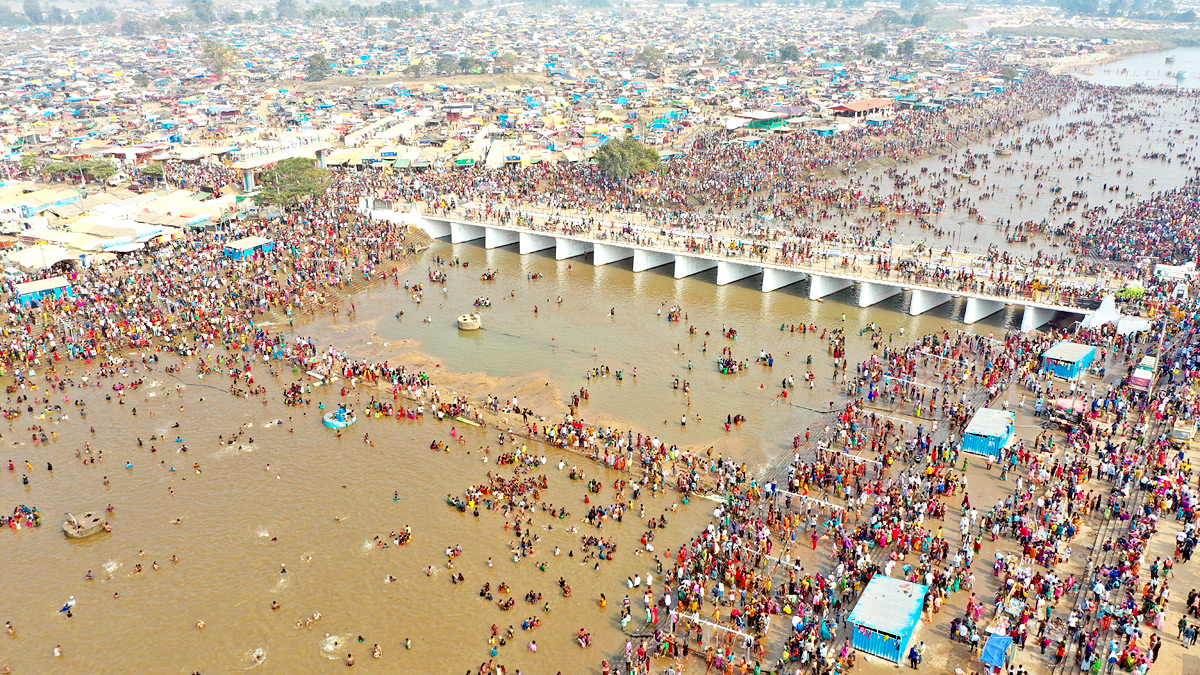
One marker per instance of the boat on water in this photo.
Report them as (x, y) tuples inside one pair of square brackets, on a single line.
[(1004, 152), (340, 419), (1181, 75), (1170, 59), (85, 525), (470, 321)]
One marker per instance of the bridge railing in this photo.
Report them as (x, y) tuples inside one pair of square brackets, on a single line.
[(908, 266)]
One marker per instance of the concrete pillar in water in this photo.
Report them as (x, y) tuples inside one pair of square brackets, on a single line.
[(603, 254), (870, 292), (821, 285), (530, 243), (495, 237), (774, 279), (978, 308), (729, 272), (687, 265)]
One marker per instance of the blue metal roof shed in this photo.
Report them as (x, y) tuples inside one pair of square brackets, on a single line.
[(1068, 359), (989, 431), (886, 616)]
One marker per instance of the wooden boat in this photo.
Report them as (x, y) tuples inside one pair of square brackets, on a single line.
[(1004, 152), (78, 527), (470, 321), (1170, 59), (340, 419)]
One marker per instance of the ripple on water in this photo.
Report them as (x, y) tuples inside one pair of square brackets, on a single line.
[(332, 645), (281, 583), (254, 658)]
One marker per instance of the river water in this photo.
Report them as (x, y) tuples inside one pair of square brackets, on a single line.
[(323, 499)]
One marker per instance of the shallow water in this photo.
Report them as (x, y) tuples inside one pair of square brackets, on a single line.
[(324, 499)]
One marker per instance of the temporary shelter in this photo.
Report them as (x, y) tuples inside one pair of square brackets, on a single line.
[(1068, 359), (247, 246), (886, 616), (997, 652), (36, 291), (988, 432)]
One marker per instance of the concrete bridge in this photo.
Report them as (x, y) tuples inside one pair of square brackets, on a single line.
[(684, 263), (250, 160)]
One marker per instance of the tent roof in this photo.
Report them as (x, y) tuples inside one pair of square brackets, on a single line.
[(889, 605), (41, 285), (1068, 352), (990, 422)]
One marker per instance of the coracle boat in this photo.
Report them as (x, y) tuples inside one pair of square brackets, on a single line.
[(470, 321), (78, 527)]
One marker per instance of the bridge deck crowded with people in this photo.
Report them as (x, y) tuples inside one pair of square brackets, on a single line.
[(931, 279)]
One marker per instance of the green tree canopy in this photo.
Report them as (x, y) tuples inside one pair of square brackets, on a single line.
[(626, 156), (318, 68), (220, 55), (789, 52), (292, 180)]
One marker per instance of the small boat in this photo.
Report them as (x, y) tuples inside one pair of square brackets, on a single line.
[(78, 527), (1181, 75), (470, 321), (1170, 59), (1004, 152), (340, 419)]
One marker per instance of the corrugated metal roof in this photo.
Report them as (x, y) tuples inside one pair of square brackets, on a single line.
[(1068, 352), (889, 605), (991, 422)]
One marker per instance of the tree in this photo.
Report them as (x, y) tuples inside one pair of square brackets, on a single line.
[(789, 52), (318, 68), (286, 9), (743, 56), (203, 9), (220, 55), (651, 56), (291, 181), (153, 171), (33, 11), (141, 80), (906, 48), (446, 64), (1008, 73), (875, 50), (506, 61), (883, 19), (625, 157)]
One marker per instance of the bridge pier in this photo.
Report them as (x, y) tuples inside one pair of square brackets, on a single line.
[(1034, 318), (321, 158), (922, 301), (570, 248), (644, 260), (870, 293), (603, 254), (531, 243), (461, 232), (820, 285), (435, 228), (495, 237), (687, 265), (247, 180), (774, 279), (978, 308), (729, 272)]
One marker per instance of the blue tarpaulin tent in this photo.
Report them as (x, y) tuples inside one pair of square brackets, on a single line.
[(995, 653), (886, 616), (988, 432), (1068, 359)]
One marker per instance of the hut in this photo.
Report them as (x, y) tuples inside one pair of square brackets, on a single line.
[(1068, 359), (886, 616), (988, 432)]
